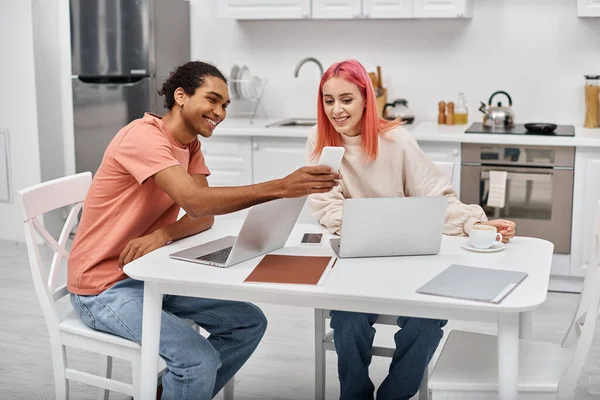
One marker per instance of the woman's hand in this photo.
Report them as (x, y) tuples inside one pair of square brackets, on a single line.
[(505, 227)]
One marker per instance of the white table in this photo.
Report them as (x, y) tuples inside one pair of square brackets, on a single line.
[(372, 285)]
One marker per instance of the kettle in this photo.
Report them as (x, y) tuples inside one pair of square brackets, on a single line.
[(498, 116), (399, 109)]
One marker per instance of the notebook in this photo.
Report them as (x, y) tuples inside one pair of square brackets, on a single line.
[(302, 270), (473, 283)]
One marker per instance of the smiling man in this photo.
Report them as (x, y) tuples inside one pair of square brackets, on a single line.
[(151, 169)]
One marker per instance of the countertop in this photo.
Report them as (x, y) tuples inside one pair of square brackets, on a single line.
[(425, 132)]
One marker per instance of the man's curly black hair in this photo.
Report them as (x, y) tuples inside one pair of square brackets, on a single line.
[(189, 77)]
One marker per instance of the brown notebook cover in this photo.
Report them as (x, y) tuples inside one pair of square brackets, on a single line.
[(275, 268)]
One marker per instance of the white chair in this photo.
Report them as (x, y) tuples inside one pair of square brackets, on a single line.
[(324, 340), (67, 330), (468, 365)]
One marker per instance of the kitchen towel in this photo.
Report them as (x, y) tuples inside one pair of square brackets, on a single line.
[(497, 192)]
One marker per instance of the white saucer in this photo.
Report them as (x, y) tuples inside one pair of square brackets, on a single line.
[(494, 248)]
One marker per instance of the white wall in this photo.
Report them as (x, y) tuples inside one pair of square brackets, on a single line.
[(18, 107), (536, 50)]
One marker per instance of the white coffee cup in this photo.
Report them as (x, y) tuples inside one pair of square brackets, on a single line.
[(484, 236)]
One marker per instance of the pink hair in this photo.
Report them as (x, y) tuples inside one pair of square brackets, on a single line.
[(371, 124)]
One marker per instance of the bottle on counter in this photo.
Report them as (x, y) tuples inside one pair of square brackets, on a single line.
[(592, 101), (461, 111)]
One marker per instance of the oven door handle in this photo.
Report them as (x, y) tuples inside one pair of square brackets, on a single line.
[(523, 176)]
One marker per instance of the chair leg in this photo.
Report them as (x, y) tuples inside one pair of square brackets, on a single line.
[(59, 361), (424, 388), (319, 355), (106, 363), (136, 369), (228, 389)]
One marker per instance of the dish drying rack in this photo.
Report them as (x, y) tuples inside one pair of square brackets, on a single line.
[(253, 101)]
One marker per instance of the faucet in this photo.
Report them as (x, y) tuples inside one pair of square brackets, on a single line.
[(305, 60)]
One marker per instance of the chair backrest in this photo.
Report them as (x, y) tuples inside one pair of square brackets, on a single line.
[(581, 331), (446, 167), (38, 200)]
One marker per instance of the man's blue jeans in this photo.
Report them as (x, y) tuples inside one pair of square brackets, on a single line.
[(197, 368), (416, 342)]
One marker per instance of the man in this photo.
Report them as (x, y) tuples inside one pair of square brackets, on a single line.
[(151, 168)]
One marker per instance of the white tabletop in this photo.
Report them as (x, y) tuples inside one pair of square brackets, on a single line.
[(385, 285)]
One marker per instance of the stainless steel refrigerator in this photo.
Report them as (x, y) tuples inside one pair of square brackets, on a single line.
[(122, 50)]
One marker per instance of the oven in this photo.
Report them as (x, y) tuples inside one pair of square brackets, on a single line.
[(539, 187)]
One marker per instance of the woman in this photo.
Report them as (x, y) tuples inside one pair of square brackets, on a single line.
[(381, 160)]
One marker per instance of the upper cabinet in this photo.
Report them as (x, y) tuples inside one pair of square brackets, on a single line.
[(264, 9), (344, 9), (588, 8), (337, 9), (388, 8), (443, 8)]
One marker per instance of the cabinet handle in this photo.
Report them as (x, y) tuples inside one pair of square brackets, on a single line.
[(455, 152), (255, 146)]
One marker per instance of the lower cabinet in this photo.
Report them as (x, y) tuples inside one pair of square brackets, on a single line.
[(236, 161), (445, 151), (276, 157), (229, 160), (585, 200)]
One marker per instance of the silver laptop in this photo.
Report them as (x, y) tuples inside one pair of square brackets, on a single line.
[(266, 228), (398, 226)]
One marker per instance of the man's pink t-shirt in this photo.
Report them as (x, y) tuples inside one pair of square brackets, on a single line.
[(123, 204)]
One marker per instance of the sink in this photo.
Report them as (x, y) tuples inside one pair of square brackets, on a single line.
[(294, 122)]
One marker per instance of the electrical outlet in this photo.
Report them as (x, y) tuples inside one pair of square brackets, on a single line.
[(5, 190), (594, 384)]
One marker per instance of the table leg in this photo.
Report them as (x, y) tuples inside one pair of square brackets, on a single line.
[(150, 340), (508, 355), (525, 325)]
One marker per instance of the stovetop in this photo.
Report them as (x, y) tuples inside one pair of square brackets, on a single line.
[(519, 129)]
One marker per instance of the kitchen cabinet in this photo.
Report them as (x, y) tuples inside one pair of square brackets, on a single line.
[(387, 9), (443, 8), (264, 9), (449, 152), (229, 160), (588, 8), (236, 161), (275, 157), (336, 9), (585, 197), (344, 9), (333, 9)]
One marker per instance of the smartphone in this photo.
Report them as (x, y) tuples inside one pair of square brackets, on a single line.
[(312, 238), (332, 156)]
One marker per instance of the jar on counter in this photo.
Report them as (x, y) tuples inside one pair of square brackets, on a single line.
[(592, 101)]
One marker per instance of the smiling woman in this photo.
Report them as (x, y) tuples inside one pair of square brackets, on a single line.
[(381, 159)]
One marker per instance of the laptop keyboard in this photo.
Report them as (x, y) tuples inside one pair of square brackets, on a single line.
[(219, 256)]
